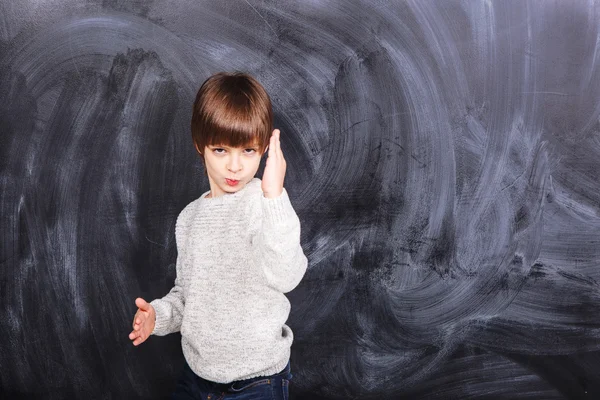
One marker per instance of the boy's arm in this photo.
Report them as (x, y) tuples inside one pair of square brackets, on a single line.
[(278, 243), (169, 309)]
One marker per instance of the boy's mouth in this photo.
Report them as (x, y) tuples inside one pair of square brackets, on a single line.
[(231, 182)]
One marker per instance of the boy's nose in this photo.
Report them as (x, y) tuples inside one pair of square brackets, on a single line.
[(234, 165)]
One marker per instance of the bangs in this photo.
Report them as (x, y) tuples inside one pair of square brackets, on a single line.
[(232, 110), (234, 127)]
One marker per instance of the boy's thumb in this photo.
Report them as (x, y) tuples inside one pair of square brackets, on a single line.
[(141, 303)]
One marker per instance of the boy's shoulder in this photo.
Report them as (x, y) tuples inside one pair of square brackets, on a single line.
[(188, 210)]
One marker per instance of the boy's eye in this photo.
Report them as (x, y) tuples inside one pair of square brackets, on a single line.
[(219, 150)]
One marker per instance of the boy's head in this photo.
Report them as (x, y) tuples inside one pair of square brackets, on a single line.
[(232, 121)]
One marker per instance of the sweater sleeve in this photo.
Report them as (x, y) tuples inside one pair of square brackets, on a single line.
[(278, 243), (169, 309)]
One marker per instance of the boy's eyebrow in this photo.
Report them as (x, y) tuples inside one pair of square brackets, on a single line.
[(229, 147)]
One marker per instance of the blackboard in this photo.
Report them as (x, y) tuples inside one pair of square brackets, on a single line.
[(442, 158)]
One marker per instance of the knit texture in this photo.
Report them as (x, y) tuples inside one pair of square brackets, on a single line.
[(237, 255)]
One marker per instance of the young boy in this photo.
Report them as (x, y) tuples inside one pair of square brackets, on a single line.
[(238, 253)]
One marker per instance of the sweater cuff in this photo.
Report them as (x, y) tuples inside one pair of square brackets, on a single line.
[(161, 322), (278, 210)]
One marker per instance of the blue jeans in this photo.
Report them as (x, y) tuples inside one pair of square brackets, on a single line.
[(273, 387)]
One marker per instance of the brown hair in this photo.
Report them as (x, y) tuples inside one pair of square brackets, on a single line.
[(231, 109)]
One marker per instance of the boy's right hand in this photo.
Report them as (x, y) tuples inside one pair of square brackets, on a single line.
[(143, 322)]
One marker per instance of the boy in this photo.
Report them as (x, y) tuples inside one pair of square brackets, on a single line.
[(238, 253)]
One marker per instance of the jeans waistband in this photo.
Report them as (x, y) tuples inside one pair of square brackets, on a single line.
[(285, 373)]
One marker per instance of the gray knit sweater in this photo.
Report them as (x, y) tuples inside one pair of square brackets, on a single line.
[(237, 254)]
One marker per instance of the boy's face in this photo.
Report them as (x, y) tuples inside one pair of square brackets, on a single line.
[(229, 169)]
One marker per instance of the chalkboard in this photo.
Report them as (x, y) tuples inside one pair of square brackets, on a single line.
[(442, 158)]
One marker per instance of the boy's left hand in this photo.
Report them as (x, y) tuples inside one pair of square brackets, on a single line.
[(274, 174)]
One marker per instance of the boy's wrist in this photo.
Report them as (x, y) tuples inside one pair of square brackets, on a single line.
[(277, 210), (272, 195)]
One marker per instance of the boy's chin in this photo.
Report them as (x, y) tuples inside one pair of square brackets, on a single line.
[(233, 189)]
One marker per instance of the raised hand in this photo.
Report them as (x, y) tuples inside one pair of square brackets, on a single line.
[(143, 322), (274, 174)]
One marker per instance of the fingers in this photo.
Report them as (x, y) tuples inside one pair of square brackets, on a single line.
[(272, 145), (142, 304), (279, 152), (278, 142), (137, 338), (275, 144), (139, 335), (138, 320)]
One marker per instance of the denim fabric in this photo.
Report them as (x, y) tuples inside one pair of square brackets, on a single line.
[(274, 387)]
